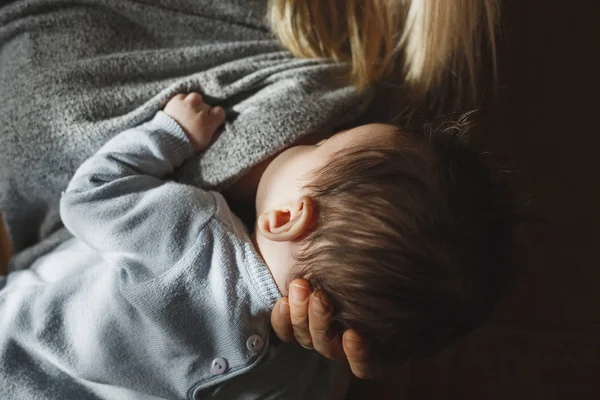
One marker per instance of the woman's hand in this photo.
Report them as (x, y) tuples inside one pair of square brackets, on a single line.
[(305, 317)]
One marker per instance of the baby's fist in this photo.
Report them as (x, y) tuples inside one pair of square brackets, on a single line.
[(198, 120)]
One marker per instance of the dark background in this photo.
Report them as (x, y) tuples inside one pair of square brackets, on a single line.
[(544, 341)]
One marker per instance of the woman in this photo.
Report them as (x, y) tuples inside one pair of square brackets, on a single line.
[(74, 75)]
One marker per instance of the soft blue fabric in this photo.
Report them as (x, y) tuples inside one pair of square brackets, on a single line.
[(180, 285)]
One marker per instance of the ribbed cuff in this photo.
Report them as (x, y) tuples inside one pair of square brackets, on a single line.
[(264, 283), (180, 147)]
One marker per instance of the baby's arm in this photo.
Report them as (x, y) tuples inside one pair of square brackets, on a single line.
[(104, 333), (118, 201)]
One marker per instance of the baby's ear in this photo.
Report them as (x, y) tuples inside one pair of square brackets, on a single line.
[(287, 222)]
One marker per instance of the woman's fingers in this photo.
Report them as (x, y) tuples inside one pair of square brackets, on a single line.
[(290, 320), (325, 341), (281, 322), (299, 293), (357, 353), (289, 317)]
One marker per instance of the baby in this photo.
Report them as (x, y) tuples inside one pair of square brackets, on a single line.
[(404, 233)]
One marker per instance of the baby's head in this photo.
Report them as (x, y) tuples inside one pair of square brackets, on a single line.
[(406, 234)]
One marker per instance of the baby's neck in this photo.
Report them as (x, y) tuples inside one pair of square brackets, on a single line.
[(241, 198)]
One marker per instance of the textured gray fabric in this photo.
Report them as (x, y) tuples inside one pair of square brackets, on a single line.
[(74, 73)]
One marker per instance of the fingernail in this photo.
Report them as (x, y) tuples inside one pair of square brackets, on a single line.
[(298, 294), (319, 306), (284, 308)]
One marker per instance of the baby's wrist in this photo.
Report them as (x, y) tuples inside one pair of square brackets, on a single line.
[(173, 132)]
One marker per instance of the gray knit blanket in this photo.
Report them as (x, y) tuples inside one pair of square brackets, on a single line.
[(75, 73)]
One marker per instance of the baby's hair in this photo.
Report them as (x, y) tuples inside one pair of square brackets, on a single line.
[(412, 241)]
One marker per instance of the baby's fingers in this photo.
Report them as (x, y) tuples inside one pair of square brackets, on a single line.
[(194, 99), (218, 115), (209, 119)]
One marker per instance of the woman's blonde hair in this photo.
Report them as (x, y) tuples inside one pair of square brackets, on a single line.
[(434, 36)]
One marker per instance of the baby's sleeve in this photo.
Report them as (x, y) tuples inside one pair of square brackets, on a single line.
[(121, 204)]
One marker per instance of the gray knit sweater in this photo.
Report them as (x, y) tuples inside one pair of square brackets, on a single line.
[(75, 73)]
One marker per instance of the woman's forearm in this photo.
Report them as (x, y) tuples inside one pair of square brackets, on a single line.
[(5, 250)]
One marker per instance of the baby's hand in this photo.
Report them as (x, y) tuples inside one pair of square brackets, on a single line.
[(198, 120)]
